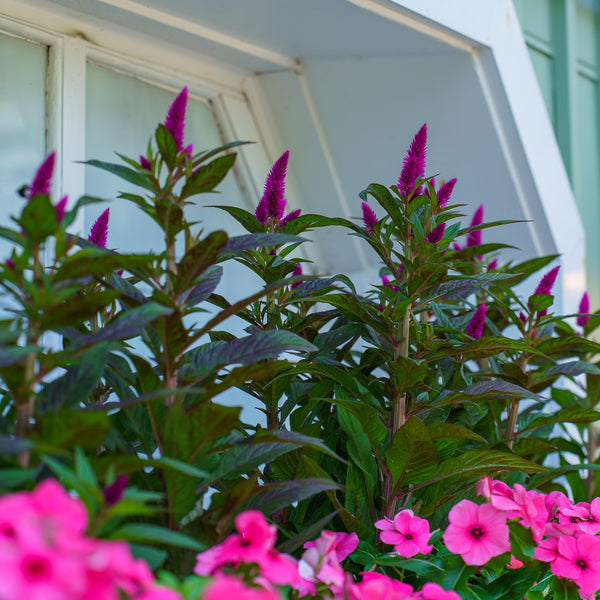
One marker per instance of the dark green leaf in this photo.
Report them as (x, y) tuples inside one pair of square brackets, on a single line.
[(153, 534), (249, 241), (206, 178), (130, 175)]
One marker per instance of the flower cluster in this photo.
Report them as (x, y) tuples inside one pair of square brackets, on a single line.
[(45, 554)]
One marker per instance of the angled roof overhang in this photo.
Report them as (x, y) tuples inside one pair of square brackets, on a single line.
[(345, 84)]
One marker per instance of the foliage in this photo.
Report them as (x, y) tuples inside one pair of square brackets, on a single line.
[(395, 398)]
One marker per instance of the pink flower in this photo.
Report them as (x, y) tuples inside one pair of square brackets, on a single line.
[(477, 322), (476, 532), (43, 177), (408, 534), (99, 230), (369, 218), (414, 164), (547, 550), (584, 307), (227, 586), (344, 545), (320, 562), (591, 516), (376, 586), (433, 591), (159, 592), (474, 237), (175, 121), (579, 560)]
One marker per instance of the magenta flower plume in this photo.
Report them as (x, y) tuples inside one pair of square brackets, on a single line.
[(275, 188), (584, 307), (99, 230), (291, 216), (297, 271), (547, 282), (445, 192), (262, 213), (386, 282), (437, 233), (10, 264), (175, 121), (369, 218), (43, 177), (474, 237), (475, 326), (493, 265), (145, 163), (476, 532), (114, 492), (522, 317), (60, 208), (414, 163)]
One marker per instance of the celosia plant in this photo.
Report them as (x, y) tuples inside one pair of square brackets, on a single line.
[(396, 401)]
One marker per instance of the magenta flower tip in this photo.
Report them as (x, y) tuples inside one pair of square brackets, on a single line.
[(493, 265), (10, 263), (43, 177), (275, 188), (445, 192), (297, 271), (474, 237), (145, 163), (584, 307), (262, 213), (114, 492), (475, 326), (291, 216), (99, 230), (547, 282), (437, 233), (60, 208), (369, 218), (175, 120), (414, 163)]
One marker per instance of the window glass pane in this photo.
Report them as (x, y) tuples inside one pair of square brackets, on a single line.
[(22, 120)]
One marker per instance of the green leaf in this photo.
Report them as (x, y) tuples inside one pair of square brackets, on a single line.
[(89, 262), (166, 145), (572, 368), (153, 556), (197, 259), (205, 286), (413, 456), (247, 350), (296, 437), (571, 414), (136, 177), (38, 218), (275, 496), (206, 178), (9, 355), (127, 325), (153, 534), (540, 302), (249, 241), (69, 428)]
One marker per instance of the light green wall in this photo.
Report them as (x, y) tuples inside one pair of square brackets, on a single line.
[(563, 40)]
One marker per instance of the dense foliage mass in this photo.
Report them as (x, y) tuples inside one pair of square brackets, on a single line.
[(383, 409)]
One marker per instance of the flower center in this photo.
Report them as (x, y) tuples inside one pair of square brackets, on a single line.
[(574, 520), (581, 563), (36, 567), (476, 532), (408, 536)]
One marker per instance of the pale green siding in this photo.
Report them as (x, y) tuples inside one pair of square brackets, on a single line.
[(563, 40)]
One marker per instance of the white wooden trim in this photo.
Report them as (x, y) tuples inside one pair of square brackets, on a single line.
[(201, 31)]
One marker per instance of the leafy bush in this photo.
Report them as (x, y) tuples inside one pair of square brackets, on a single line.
[(396, 398)]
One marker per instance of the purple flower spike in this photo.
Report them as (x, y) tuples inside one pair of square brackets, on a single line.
[(547, 282), (293, 215), (145, 163), (437, 233), (474, 237), (10, 263), (41, 181), (60, 209), (584, 307), (261, 213), (386, 283), (414, 163), (175, 121), (493, 265), (297, 271), (369, 218), (522, 317), (445, 192), (114, 492), (475, 326), (99, 230), (275, 187)]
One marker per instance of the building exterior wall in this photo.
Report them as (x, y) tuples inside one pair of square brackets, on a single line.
[(562, 38)]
